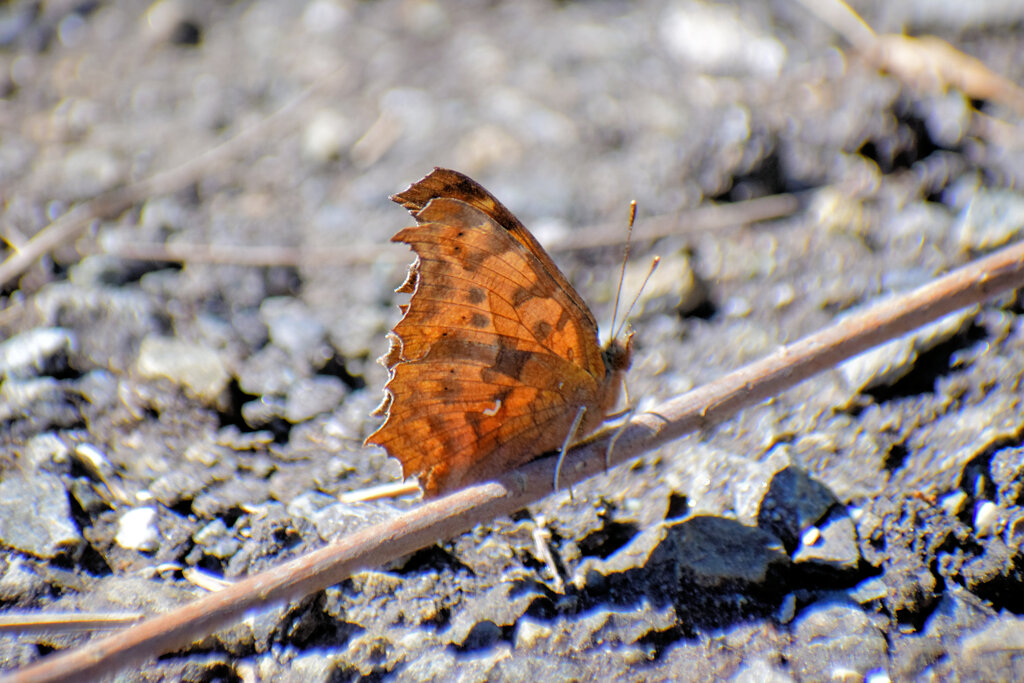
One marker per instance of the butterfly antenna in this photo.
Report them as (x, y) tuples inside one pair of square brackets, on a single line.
[(625, 257), (654, 266)]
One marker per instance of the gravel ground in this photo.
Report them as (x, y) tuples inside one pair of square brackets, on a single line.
[(159, 417)]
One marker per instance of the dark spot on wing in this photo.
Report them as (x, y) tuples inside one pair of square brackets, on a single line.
[(437, 422), (475, 295), (479, 320), (461, 350), (510, 362), (521, 296), (441, 290), (542, 330)]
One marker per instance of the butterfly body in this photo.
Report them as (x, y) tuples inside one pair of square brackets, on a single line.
[(495, 353)]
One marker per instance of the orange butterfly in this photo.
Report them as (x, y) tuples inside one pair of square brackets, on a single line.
[(495, 353)]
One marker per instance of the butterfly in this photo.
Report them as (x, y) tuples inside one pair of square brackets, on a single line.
[(496, 354)]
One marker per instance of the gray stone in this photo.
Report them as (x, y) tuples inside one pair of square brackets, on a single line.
[(531, 634), (99, 270), (485, 614), (200, 370), (309, 504), (311, 396), (956, 613), (39, 400), (19, 583), (1013, 533), (886, 364), (761, 670), (836, 545), (720, 483), (46, 451), (994, 652), (787, 609), (216, 540), (336, 519), (99, 388), (869, 590), (294, 328), (953, 503), (35, 516), (263, 411), (993, 217), (40, 351), (109, 322), (268, 371), (722, 40), (831, 639), (610, 628)]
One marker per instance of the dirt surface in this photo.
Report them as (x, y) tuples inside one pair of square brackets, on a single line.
[(158, 417)]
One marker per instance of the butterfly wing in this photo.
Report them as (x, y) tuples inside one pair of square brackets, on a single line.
[(491, 359), (446, 183)]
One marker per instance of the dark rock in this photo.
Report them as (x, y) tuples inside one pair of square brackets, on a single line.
[(794, 501), (717, 550)]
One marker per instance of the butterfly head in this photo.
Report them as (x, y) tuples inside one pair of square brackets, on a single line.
[(618, 354)]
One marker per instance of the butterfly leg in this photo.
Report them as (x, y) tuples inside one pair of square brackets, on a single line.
[(625, 398), (565, 446), (626, 412), (615, 437)]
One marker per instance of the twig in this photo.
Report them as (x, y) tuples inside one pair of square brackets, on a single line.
[(926, 62), (460, 511), (248, 255), (704, 218), (65, 622), (844, 20), (707, 218), (116, 201)]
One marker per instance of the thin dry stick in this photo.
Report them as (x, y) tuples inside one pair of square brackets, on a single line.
[(926, 62), (249, 255), (114, 202), (451, 515), (63, 622), (844, 20), (699, 219)]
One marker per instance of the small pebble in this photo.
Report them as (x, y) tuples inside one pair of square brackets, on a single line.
[(199, 370), (137, 530), (986, 516)]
